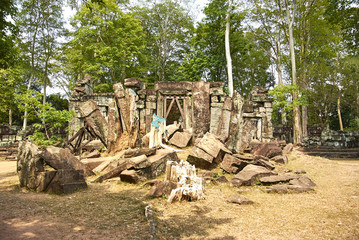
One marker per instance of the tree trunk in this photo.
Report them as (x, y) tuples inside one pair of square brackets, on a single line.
[(228, 52), (10, 117), (305, 120), (24, 124), (339, 114), (297, 130)]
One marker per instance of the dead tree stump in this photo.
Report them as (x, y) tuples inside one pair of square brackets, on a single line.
[(189, 186)]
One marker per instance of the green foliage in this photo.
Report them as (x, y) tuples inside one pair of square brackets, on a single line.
[(249, 64), (168, 28), (282, 95), (51, 119), (103, 88), (106, 43)]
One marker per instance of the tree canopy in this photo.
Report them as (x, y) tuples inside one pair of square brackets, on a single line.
[(305, 51)]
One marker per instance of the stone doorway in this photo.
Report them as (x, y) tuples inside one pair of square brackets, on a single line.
[(174, 110)]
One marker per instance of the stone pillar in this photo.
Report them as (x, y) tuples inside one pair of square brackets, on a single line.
[(201, 108)]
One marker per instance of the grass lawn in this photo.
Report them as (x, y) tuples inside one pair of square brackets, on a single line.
[(115, 210)]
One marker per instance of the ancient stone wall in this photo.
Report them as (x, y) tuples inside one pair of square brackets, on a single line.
[(197, 106), (336, 139)]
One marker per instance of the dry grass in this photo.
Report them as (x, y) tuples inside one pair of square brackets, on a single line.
[(115, 210)]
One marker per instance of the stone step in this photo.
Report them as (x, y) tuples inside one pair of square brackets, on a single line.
[(334, 154)]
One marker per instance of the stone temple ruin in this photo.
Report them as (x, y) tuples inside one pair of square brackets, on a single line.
[(200, 106), (136, 125)]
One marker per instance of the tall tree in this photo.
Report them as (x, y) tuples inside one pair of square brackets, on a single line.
[(40, 23), (169, 28), (228, 50), (106, 43), (250, 65)]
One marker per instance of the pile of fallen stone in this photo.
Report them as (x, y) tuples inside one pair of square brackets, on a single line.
[(53, 170), (255, 167), (132, 165)]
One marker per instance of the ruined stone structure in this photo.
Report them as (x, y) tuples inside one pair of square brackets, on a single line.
[(199, 106)]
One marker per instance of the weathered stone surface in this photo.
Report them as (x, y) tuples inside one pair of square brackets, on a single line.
[(29, 164), (232, 164), (173, 86), (129, 153), (94, 154), (275, 179), (201, 108), (157, 163), (288, 148), (234, 141), (67, 181), (238, 199), (172, 129), (181, 139), (264, 163), (211, 145), (92, 163), (221, 179), (139, 161), (249, 175), (200, 158), (303, 181), (246, 157), (284, 188), (133, 83), (32, 175), (281, 159), (269, 150), (129, 176), (205, 174), (114, 125), (162, 188), (123, 102), (90, 111), (115, 172), (60, 158)]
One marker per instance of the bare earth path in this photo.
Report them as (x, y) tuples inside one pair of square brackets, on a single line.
[(115, 210)]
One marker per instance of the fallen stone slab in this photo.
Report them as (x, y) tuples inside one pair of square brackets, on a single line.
[(181, 139), (222, 179), (303, 180), (232, 164), (249, 175), (246, 157), (268, 150), (94, 154), (281, 159), (157, 163), (115, 172), (92, 163), (162, 188), (275, 179), (67, 181), (172, 129), (264, 163), (90, 111), (213, 146), (288, 148), (139, 162), (238, 199), (129, 176), (129, 153), (62, 158), (201, 159), (285, 188)]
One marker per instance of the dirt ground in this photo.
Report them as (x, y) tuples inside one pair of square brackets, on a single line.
[(115, 210)]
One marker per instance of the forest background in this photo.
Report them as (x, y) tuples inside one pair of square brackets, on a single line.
[(305, 51)]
